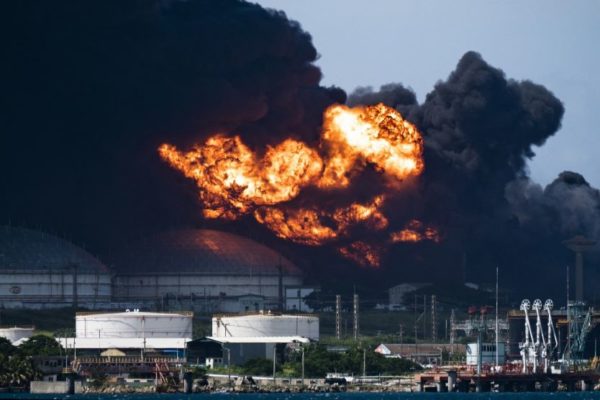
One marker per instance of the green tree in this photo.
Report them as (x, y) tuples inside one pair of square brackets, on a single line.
[(40, 345), (6, 347), (18, 371), (259, 366)]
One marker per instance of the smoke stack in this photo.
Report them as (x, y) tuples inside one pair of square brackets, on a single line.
[(579, 245)]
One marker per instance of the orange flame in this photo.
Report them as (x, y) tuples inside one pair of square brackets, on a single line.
[(377, 134), (415, 231), (362, 253), (234, 181)]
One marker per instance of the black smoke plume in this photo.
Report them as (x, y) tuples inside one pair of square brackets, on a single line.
[(90, 89), (480, 129)]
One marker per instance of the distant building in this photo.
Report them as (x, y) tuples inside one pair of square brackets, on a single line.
[(397, 293), (295, 298), (488, 353), (16, 334), (423, 353)]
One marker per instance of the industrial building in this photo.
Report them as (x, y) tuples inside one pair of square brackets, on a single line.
[(190, 269)]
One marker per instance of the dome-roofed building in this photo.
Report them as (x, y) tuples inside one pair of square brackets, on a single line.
[(204, 270), (38, 270)]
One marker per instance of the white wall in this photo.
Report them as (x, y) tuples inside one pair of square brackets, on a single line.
[(46, 289), (134, 325), (266, 325)]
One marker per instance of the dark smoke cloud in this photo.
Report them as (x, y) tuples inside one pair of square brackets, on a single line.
[(567, 206), (480, 128), (393, 94), (92, 88)]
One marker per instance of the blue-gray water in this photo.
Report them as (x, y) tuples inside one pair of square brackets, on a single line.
[(317, 396)]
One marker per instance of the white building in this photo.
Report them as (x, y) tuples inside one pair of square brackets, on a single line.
[(488, 353), (16, 334)]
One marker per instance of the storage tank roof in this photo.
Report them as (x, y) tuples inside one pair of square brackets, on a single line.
[(203, 251), (26, 249)]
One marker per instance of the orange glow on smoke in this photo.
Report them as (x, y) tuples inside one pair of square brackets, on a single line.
[(362, 253), (234, 181)]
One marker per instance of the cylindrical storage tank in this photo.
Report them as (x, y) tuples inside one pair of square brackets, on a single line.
[(133, 325), (16, 333), (262, 325)]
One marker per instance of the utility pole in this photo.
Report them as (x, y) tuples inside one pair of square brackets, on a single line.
[(497, 330), (452, 332), (364, 363), (302, 364), (424, 315), (401, 336), (274, 361), (356, 328), (338, 316), (433, 321)]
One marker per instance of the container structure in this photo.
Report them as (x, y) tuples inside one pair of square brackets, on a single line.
[(133, 324), (265, 325)]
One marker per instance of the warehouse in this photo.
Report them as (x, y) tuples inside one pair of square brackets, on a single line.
[(38, 270)]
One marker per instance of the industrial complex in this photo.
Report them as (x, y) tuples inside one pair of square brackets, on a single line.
[(140, 313)]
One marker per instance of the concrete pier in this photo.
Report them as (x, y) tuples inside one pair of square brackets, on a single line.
[(452, 381), (188, 382)]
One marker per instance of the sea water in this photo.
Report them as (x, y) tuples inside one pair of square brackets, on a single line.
[(314, 396)]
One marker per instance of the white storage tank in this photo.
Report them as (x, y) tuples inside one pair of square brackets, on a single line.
[(16, 333), (134, 324), (265, 325)]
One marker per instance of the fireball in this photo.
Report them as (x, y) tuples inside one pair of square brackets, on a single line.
[(234, 181)]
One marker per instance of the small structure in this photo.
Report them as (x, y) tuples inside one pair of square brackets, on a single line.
[(488, 353), (397, 293), (16, 334), (423, 353), (295, 298)]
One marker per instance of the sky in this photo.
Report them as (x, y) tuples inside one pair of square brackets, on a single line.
[(554, 43)]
